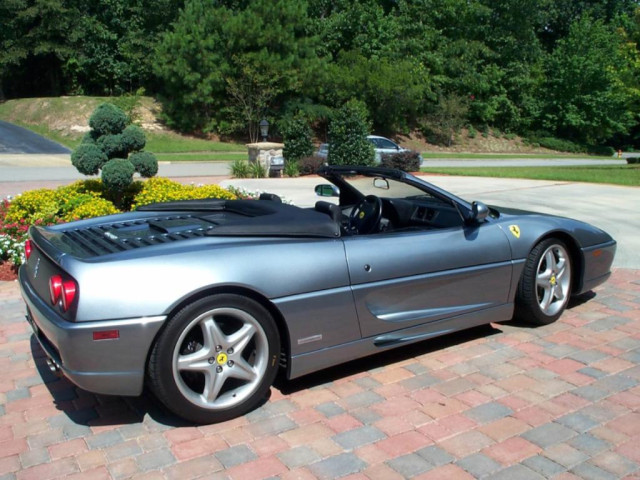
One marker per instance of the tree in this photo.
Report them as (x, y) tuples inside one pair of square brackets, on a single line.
[(586, 98), (348, 132), (218, 77), (297, 140)]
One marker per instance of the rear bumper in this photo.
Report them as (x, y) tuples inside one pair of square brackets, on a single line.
[(114, 366)]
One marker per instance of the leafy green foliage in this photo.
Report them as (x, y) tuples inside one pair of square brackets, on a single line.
[(108, 146), (145, 163), (297, 140), (88, 159), (571, 67), (240, 168), (310, 165), (585, 98), (133, 138), (406, 161), (348, 132), (117, 174), (108, 119)]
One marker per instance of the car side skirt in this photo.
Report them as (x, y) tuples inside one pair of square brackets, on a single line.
[(306, 363)]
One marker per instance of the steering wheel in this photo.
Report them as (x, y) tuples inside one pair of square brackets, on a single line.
[(365, 216)]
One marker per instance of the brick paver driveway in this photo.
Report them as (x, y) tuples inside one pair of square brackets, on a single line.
[(503, 401)]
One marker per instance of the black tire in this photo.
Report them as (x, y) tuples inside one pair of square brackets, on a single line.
[(216, 359), (545, 285)]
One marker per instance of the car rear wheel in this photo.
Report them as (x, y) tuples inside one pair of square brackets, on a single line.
[(545, 286), (216, 359)]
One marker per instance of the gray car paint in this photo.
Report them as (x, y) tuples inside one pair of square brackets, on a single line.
[(337, 299)]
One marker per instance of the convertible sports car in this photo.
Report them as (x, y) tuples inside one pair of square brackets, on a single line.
[(205, 300)]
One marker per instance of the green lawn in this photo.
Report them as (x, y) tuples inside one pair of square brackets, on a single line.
[(201, 157), (628, 175), (174, 143), (507, 156)]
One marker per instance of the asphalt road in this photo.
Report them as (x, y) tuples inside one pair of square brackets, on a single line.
[(15, 139)]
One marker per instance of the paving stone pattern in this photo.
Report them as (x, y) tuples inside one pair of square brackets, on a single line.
[(503, 401)]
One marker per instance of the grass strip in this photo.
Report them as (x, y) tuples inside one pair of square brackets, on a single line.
[(626, 175), (508, 156)]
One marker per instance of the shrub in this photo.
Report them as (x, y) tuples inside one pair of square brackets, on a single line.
[(112, 146), (108, 119), (472, 132), (145, 163), (117, 174), (160, 189), (257, 170), (88, 159), (89, 138), (291, 168), (240, 168), (33, 205), (603, 150), (348, 132), (408, 161), (88, 206), (310, 165), (559, 145), (133, 138), (633, 160), (297, 137), (111, 138)]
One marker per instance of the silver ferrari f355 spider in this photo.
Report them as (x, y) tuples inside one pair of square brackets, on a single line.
[(204, 300)]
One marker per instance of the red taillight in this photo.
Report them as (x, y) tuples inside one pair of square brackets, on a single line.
[(27, 249), (55, 288), (68, 294)]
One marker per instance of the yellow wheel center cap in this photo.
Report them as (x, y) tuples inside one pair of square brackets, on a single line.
[(553, 280), (221, 358), (361, 215)]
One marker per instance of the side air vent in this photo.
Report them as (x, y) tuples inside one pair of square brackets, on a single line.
[(122, 236)]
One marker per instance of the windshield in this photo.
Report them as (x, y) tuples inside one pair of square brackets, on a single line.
[(385, 187)]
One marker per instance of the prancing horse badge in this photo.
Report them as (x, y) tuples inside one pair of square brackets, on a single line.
[(515, 229)]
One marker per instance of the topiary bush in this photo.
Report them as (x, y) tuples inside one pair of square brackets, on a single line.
[(117, 174), (348, 132), (145, 163), (108, 119), (88, 159), (111, 138), (112, 145), (133, 138), (407, 161)]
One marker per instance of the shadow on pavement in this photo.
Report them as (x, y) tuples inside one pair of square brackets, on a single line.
[(94, 410), (382, 359)]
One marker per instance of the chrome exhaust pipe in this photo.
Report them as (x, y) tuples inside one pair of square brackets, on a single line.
[(54, 368)]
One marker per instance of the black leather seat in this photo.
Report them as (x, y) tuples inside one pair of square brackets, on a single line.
[(330, 209), (270, 196)]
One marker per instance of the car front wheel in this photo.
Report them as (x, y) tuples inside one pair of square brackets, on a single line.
[(545, 286), (216, 359)]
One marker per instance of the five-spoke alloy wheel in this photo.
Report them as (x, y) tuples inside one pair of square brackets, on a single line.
[(545, 286), (216, 358)]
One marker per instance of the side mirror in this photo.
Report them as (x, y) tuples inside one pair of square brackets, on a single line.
[(327, 190), (382, 183), (479, 211)]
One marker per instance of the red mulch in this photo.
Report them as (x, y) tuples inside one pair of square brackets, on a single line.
[(8, 271)]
